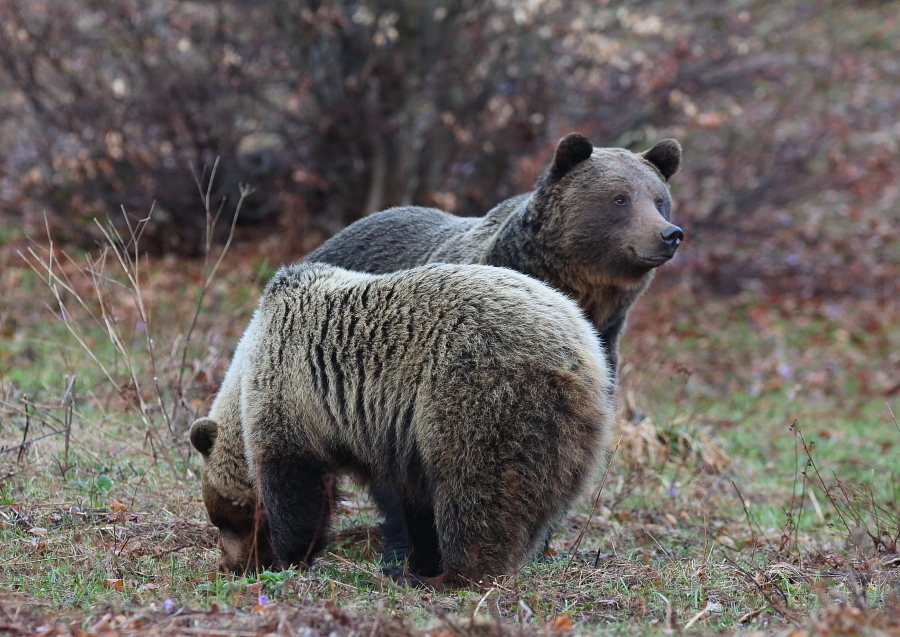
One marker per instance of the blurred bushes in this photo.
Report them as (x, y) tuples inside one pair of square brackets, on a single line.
[(787, 111)]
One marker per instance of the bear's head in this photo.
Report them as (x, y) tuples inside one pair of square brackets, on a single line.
[(608, 208), (231, 502)]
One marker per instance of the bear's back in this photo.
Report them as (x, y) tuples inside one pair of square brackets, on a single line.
[(391, 240), (418, 313), (368, 355)]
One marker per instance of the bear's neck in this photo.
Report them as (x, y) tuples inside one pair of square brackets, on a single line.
[(522, 243)]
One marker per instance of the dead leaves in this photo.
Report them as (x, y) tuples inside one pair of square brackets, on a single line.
[(561, 624), (116, 585), (645, 442)]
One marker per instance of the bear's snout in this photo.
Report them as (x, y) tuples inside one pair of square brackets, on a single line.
[(246, 554), (671, 237)]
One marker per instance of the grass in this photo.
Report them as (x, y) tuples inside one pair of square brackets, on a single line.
[(754, 485)]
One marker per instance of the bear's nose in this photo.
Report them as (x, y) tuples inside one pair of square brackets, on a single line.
[(672, 236)]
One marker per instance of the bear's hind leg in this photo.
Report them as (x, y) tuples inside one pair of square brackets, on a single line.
[(485, 534), (300, 496), (424, 557)]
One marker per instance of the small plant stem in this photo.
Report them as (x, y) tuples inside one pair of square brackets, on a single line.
[(69, 403), (812, 463), (596, 502), (179, 386), (784, 611), (22, 446), (891, 412)]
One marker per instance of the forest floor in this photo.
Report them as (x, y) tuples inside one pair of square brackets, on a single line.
[(753, 486)]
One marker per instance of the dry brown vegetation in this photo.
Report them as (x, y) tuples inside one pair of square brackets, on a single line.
[(787, 111)]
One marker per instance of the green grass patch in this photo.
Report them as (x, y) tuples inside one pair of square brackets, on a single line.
[(754, 481)]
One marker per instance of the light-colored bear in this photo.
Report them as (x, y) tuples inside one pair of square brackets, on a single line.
[(479, 395)]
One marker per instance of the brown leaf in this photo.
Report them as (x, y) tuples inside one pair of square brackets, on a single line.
[(254, 588), (561, 624), (114, 584)]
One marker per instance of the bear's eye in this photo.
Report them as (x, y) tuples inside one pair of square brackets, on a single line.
[(660, 205), (620, 200)]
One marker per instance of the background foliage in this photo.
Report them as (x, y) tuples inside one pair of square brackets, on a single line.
[(787, 112)]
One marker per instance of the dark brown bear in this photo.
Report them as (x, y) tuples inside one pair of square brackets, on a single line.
[(596, 227)]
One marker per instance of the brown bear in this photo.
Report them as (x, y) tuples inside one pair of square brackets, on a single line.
[(478, 395), (596, 227)]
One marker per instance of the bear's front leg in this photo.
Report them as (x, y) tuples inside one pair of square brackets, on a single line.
[(394, 540), (300, 496)]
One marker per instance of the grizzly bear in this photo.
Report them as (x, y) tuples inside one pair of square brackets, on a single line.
[(478, 395), (595, 227)]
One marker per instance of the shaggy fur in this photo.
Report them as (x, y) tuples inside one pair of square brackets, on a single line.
[(595, 227), (480, 396)]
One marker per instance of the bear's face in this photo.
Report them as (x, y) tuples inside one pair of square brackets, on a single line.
[(231, 504), (612, 207)]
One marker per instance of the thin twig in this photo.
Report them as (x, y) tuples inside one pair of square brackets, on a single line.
[(244, 192), (661, 547), (54, 283), (68, 401), (584, 529), (891, 412), (828, 495), (482, 600), (26, 443), (131, 268), (710, 606), (784, 611), (747, 515), (25, 433)]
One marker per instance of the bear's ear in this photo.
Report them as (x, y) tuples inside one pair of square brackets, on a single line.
[(666, 156), (571, 150), (203, 435)]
